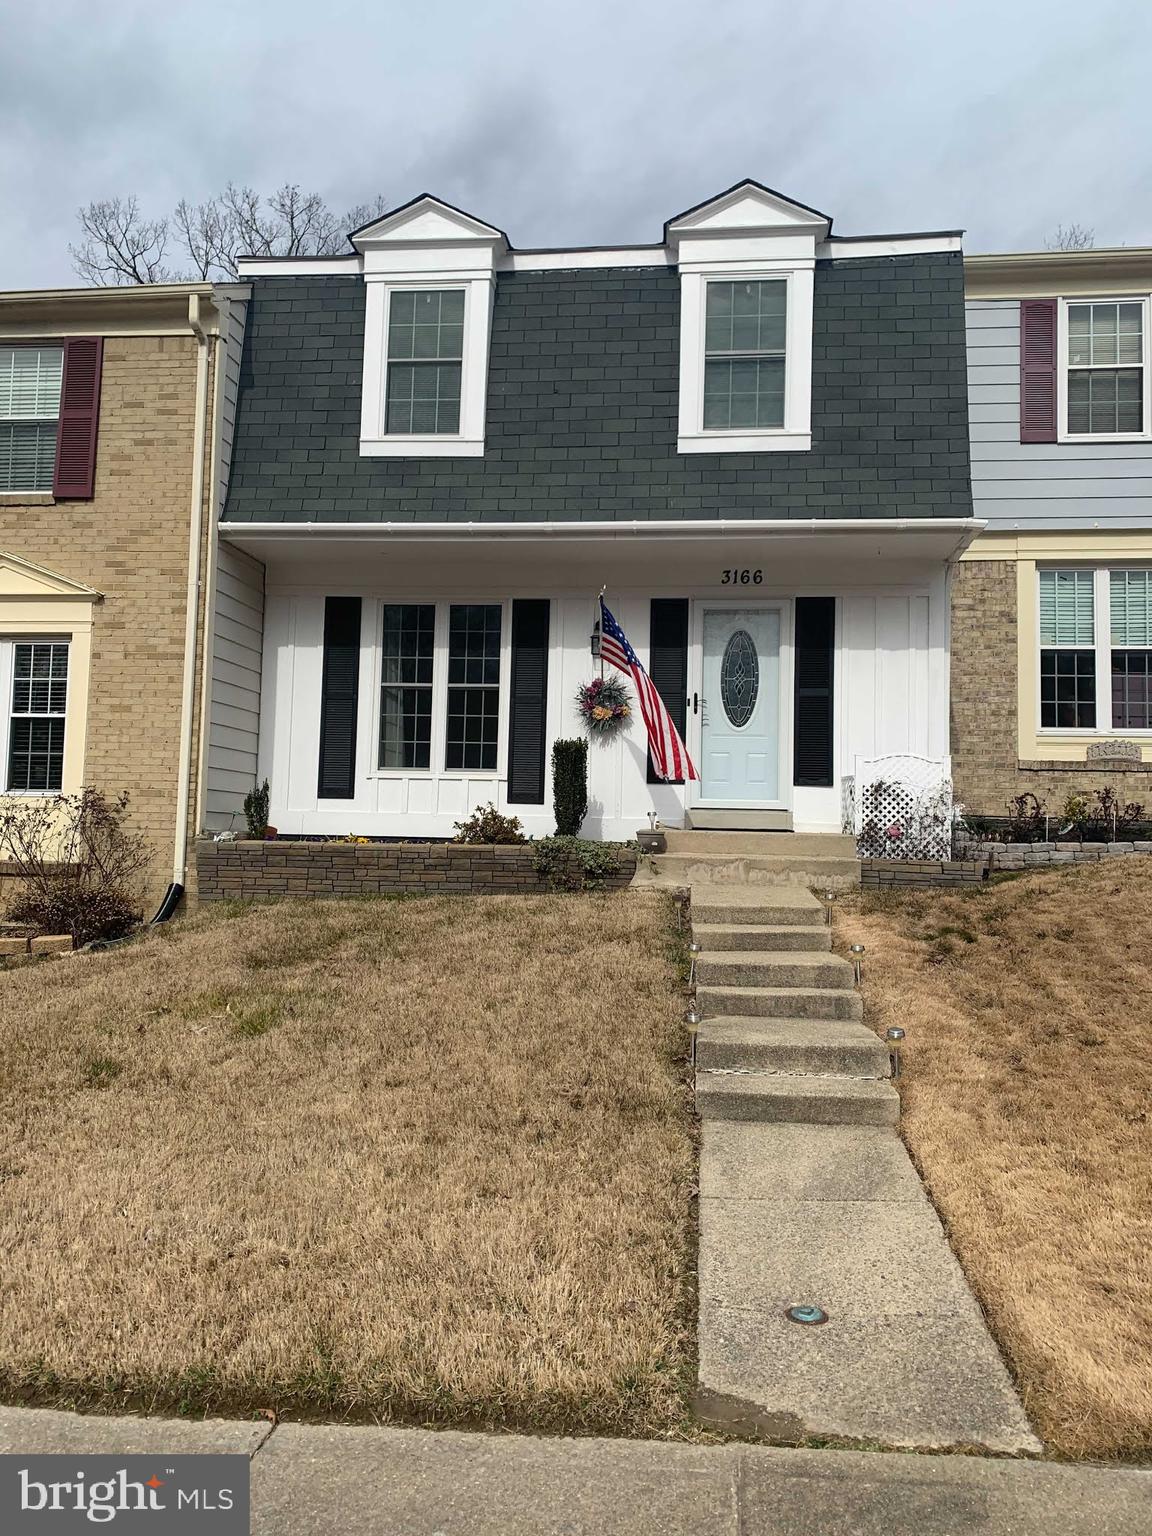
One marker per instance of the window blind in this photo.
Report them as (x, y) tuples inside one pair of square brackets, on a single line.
[(1130, 600), (1066, 610)]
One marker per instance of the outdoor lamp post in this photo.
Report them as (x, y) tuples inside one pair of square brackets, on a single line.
[(894, 1037), (857, 953)]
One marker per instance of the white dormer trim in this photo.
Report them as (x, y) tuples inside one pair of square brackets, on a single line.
[(748, 233), (427, 244)]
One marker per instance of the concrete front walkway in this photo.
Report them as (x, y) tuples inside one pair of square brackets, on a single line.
[(341, 1481)]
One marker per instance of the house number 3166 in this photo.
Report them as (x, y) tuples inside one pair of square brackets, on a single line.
[(742, 578)]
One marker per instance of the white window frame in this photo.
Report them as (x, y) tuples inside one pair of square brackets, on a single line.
[(795, 436), (1102, 644), (1062, 434), (439, 740), (39, 493), (468, 442), (8, 644)]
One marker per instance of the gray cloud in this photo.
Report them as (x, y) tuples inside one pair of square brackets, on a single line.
[(583, 125)]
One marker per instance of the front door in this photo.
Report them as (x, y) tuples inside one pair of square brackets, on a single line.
[(740, 707)]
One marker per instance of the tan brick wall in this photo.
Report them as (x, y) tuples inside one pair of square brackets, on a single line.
[(985, 761), (130, 542)]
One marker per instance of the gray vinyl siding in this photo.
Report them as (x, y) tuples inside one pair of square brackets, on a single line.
[(582, 407), (234, 704), (1040, 485)]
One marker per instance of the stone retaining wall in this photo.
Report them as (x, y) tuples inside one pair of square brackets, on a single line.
[(251, 870), (1032, 855), (883, 874)]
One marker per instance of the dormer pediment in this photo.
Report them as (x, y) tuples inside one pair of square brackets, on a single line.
[(748, 209), (426, 221)]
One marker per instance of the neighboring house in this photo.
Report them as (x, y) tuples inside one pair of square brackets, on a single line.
[(753, 433), (115, 417), (1052, 610)]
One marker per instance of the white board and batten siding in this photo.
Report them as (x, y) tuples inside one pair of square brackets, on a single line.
[(1024, 486), (891, 696)]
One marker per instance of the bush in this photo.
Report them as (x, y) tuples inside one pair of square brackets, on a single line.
[(569, 785), (576, 864), (256, 803), (79, 866), (487, 825)]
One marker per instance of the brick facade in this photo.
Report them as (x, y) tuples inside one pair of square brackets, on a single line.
[(252, 870), (130, 542), (986, 767), (582, 406)]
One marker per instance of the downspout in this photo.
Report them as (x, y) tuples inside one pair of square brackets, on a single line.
[(191, 616)]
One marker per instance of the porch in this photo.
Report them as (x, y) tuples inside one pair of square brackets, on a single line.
[(386, 679)]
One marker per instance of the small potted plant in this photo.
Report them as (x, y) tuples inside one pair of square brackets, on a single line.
[(651, 838)]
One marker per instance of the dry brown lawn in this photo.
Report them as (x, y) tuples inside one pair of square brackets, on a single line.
[(1027, 1104), (424, 1159)]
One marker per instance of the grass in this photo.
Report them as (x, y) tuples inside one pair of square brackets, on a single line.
[(1027, 1104), (423, 1160)]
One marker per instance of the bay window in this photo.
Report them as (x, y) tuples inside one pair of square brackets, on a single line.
[(1095, 649)]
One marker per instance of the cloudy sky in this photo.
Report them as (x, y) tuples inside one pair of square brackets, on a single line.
[(583, 123)]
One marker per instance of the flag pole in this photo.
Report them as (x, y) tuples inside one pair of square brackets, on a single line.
[(600, 626)]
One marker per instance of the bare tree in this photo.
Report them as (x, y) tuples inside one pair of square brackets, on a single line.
[(121, 246), (1071, 237)]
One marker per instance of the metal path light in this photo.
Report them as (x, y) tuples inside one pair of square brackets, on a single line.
[(894, 1037), (829, 898), (857, 953), (694, 949)]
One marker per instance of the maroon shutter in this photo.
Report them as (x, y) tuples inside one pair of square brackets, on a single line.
[(75, 473), (1038, 370)]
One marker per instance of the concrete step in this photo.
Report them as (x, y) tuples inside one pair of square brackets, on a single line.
[(740, 821), (792, 1045), (763, 905), (785, 844), (795, 870), (783, 1096), (779, 1002), (726, 936), (768, 968)]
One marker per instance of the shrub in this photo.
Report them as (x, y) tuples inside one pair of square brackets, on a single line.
[(79, 866), (487, 825), (1025, 819), (569, 785), (576, 864), (256, 803)]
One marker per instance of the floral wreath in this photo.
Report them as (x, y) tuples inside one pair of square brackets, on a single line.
[(604, 705)]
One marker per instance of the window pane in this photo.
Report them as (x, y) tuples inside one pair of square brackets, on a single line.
[(30, 383), (1106, 400), (748, 393), (745, 317), (474, 685), (27, 455), (406, 661), (423, 397), (1130, 594), (1131, 690), (36, 726), (1068, 689), (426, 322), (1066, 608)]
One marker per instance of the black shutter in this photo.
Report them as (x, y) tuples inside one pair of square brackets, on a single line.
[(338, 696), (528, 712), (668, 665), (815, 663)]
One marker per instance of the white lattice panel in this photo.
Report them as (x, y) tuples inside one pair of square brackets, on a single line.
[(902, 807)]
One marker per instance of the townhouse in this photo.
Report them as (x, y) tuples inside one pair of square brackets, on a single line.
[(753, 433), (1052, 607), (115, 410)]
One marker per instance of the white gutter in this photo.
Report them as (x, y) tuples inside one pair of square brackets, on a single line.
[(698, 528), (192, 600)]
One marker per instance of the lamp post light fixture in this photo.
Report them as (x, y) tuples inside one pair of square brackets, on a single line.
[(857, 953), (894, 1037)]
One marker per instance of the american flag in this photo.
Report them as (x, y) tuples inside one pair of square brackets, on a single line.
[(669, 754)]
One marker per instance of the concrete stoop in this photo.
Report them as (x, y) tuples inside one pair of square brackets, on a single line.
[(808, 1197), (790, 861)]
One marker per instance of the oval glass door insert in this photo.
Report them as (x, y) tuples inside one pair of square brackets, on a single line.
[(739, 678)]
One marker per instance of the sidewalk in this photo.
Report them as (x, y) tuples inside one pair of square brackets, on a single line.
[(313, 1480)]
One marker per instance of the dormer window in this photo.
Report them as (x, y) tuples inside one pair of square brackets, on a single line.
[(425, 360), (747, 263)]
